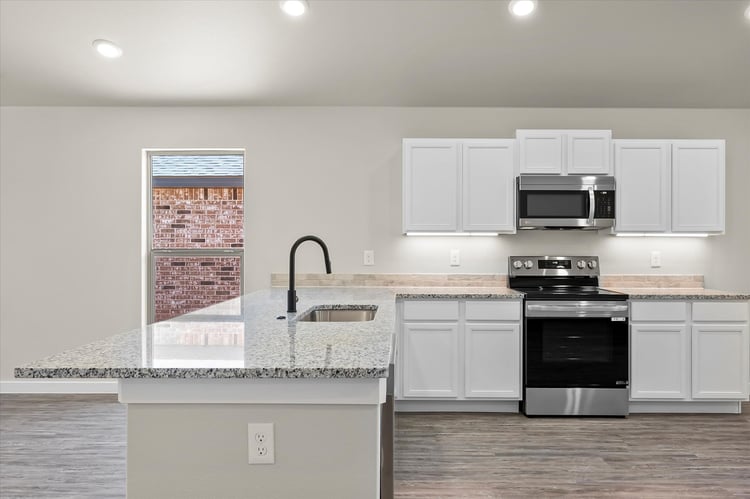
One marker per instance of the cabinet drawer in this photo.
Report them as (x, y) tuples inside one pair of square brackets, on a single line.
[(721, 311), (431, 310), (493, 310), (675, 311)]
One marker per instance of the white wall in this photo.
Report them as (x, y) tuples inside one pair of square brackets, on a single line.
[(70, 207)]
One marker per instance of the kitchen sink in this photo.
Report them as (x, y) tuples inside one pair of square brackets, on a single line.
[(332, 313)]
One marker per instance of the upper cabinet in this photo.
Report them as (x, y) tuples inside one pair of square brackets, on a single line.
[(567, 152), (669, 186), (431, 170), (459, 185), (642, 192), (698, 186)]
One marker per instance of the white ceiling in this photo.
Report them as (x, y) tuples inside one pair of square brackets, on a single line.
[(582, 53)]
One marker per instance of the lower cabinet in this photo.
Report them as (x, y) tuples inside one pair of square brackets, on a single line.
[(430, 360), (689, 351), (660, 365), (720, 361), (492, 361), (460, 350)]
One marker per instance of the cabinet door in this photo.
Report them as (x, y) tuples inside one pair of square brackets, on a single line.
[(659, 361), (489, 185), (492, 361), (698, 186), (540, 151), (430, 360), (643, 185), (589, 152), (720, 361), (430, 190)]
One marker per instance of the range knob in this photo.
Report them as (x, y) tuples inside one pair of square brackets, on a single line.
[(581, 264), (528, 264), (592, 264), (517, 264)]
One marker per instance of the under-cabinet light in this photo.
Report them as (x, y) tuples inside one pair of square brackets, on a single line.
[(454, 234), (673, 234)]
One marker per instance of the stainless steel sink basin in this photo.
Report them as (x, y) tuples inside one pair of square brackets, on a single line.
[(338, 314)]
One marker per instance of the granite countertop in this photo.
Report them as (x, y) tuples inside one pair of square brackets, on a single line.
[(242, 338), (680, 294)]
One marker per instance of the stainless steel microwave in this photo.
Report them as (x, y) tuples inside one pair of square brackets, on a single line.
[(565, 201)]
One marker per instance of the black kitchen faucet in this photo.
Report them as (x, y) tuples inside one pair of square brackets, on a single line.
[(292, 294)]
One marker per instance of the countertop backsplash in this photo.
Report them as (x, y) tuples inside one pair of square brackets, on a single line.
[(481, 280)]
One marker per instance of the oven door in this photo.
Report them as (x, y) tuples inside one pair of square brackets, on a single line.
[(571, 344)]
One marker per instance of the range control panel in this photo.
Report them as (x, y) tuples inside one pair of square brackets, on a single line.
[(553, 266)]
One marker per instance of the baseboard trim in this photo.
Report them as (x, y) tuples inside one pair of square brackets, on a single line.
[(686, 407), (59, 386), (457, 406)]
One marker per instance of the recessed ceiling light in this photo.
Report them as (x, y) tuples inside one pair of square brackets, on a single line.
[(522, 8), (107, 49), (294, 8), (747, 12)]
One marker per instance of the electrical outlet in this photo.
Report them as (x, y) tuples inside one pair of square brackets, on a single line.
[(455, 258), (260, 443), (369, 257), (656, 259)]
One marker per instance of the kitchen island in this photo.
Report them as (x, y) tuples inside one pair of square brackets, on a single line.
[(193, 384)]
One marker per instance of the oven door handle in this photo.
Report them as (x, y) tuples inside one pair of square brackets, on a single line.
[(592, 205), (574, 310)]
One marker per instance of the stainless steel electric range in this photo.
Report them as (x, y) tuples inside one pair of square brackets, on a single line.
[(575, 338)]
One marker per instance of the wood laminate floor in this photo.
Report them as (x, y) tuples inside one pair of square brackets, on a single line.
[(74, 446)]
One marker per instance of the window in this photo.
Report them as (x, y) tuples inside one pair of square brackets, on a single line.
[(196, 230)]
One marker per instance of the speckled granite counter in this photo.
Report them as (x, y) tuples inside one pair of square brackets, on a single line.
[(680, 294), (242, 338)]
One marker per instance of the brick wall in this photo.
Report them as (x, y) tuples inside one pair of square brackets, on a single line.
[(185, 283), (198, 217)]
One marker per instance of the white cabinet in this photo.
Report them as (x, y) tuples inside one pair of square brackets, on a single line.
[(430, 184), (721, 350), (660, 366), (669, 186), (689, 351), (642, 171), (492, 363), (488, 193), (459, 185), (568, 152), (720, 361), (698, 185), (430, 360), (460, 350)]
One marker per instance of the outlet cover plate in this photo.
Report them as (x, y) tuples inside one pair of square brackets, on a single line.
[(260, 443)]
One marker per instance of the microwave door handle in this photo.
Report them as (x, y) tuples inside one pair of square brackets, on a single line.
[(592, 206)]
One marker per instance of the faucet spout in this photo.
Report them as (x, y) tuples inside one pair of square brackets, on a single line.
[(291, 297)]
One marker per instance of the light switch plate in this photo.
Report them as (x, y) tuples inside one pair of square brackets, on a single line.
[(368, 257), (455, 258), (656, 259)]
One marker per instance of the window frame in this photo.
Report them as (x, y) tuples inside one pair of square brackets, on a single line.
[(153, 254)]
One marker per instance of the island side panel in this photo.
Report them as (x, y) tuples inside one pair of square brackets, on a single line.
[(201, 450)]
